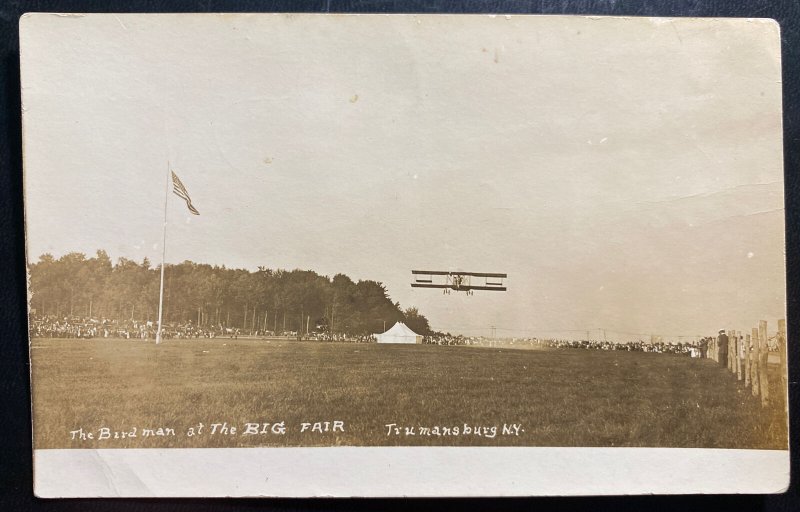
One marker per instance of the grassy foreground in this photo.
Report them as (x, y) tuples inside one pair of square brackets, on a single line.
[(542, 397)]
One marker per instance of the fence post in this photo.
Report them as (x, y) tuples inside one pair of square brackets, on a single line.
[(747, 360), (754, 378), (784, 380), (728, 353), (763, 356), (731, 350), (739, 346)]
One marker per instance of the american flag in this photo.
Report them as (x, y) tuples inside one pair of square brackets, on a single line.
[(181, 192)]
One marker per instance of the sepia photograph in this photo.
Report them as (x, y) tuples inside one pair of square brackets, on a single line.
[(467, 241)]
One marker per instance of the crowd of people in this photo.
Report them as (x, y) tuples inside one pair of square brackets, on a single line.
[(87, 328), (340, 337), (63, 328), (691, 349), (446, 339)]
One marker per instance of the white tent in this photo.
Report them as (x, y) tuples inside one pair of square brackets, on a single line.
[(399, 333)]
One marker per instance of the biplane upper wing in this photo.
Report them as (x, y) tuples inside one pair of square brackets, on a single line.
[(480, 274), (456, 273)]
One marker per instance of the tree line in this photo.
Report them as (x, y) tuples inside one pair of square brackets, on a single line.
[(263, 300)]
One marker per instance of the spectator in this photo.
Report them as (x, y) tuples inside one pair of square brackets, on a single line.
[(722, 347)]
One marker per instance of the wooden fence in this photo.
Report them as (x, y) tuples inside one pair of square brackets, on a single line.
[(748, 358)]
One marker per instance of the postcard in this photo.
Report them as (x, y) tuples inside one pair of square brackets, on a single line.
[(404, 255)]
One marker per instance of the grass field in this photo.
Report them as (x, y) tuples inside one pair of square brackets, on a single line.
[(555, 397)]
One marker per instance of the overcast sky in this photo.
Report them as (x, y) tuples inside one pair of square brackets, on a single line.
[(626, 173)]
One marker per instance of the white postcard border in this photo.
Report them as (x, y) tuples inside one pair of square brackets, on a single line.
[(405, 471)]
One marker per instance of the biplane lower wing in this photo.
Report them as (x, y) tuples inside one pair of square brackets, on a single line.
[(464, 287), (488, 288)]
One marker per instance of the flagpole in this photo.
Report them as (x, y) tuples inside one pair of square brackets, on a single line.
[(163, 258)]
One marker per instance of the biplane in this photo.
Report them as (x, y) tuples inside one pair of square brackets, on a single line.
[(459, 281)]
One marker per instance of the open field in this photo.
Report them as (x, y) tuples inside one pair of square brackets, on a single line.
[(555, 397)]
